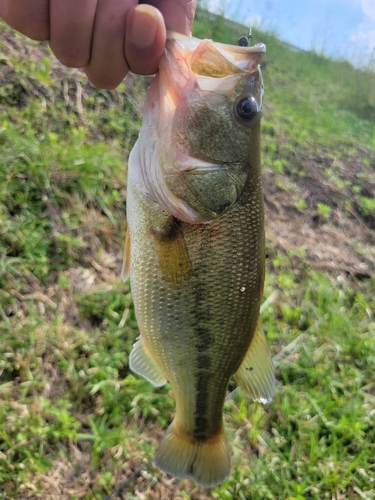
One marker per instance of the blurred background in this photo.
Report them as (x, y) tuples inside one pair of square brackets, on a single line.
[(335, 28)]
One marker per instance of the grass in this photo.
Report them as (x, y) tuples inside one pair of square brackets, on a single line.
[(74, 421)]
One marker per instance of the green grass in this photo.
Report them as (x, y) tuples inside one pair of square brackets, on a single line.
[(66, 392)]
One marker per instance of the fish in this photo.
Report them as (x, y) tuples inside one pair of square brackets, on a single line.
[(195, 246)]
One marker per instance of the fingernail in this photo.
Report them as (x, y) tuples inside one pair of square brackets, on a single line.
[(143, 25)]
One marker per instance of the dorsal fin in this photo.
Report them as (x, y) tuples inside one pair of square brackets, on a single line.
[(125, 272)]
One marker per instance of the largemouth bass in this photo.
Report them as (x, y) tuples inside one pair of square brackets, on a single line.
[(195, 247)]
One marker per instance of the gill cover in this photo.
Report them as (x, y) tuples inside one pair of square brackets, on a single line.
[(201, 119)]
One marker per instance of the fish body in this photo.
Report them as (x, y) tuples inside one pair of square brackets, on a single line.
[(195, 247)]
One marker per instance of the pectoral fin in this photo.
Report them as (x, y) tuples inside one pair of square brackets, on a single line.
[(141, 362), (125, 272), (256, 375), (173, 258)]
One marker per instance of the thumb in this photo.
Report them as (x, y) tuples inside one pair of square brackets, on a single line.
[(145, 39)]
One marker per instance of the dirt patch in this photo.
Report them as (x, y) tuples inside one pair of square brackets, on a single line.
[(28, 71), (73, 478), (340, 242)]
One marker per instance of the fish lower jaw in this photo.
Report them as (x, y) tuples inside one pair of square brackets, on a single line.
[(192, 165)]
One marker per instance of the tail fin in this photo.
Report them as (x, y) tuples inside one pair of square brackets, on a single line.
[(206, 462)]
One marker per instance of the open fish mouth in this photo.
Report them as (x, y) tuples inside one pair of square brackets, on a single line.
[(235, 55)]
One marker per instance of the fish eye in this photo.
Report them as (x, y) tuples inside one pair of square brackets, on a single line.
[(247, 108)]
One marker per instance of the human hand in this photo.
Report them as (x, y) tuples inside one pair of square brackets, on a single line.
[(106, 38)]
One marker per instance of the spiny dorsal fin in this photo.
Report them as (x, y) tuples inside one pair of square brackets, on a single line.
[(256, 373)]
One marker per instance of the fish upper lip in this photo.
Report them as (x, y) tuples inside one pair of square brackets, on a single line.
[(258, 47)]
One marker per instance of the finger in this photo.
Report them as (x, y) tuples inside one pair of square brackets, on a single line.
[(178, 14), (145, 39), (107, 67), (30, 17), (71, 30)]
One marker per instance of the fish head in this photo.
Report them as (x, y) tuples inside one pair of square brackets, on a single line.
[(208, 125)]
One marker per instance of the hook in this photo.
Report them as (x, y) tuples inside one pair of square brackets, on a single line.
[(244, 41)]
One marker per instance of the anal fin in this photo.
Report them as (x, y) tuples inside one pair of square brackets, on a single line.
[(256, 375), (141, 362)]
